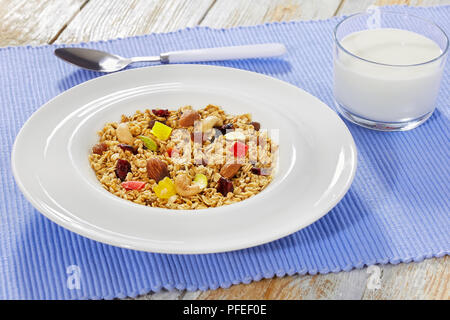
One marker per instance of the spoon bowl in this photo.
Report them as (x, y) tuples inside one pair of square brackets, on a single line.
[(95, 60)]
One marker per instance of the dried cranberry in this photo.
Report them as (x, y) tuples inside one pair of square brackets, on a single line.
[(122, 169), (226, 127), (256, 125), (261, 171), (99, 148), (127, 147), (224, 186), (161, 112), (256, 170)]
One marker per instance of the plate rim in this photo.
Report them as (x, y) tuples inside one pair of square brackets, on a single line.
[(107, 237)]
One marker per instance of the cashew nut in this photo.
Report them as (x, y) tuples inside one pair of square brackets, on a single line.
[(184, 187), (123, 134), (209, 122)]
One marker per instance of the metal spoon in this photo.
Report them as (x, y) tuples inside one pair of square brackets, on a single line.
[(106, 62)]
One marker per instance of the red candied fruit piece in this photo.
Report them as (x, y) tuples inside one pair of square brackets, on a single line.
[(239, 149), (133, 185), (161, 112), (122, 169), (224, 186)]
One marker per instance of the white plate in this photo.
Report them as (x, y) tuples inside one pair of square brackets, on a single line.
[(317, 160)]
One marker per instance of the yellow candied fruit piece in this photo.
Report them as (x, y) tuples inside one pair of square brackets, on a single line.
[(165, 188), (161, 131)]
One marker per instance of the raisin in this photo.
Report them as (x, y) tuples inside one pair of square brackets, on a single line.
[(99, 148), (161, 112), (261, 171), (226, 127), (122, 169), (127, 147), (224, 186)]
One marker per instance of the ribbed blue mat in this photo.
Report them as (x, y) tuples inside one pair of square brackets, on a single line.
[(397, 209)]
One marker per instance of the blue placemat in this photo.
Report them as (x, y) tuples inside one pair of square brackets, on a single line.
[(397, 209)]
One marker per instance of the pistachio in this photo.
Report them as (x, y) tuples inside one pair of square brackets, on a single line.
[(123, 134)]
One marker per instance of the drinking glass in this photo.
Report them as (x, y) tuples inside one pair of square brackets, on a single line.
[(388, 97)]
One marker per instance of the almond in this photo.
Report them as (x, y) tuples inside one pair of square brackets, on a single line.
[(157, 169), (188, 118), (256, 125), (230, 169)]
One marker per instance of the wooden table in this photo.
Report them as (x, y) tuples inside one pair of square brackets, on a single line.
[(35, 22)]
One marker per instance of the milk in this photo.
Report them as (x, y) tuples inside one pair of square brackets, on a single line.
[(383, 93)]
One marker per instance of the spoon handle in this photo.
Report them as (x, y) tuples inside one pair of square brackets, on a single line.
[(225, 53)]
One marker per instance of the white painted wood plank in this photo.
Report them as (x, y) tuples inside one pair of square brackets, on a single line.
[(345, 285), (225, 13), (162, 295), (34, 22), (429, 279), (103, 19), (354, 6)]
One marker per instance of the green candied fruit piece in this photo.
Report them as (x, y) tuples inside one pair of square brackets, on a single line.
[(149, 143), (201, 180)]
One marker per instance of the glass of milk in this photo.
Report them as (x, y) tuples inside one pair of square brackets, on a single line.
[(387, 69)]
